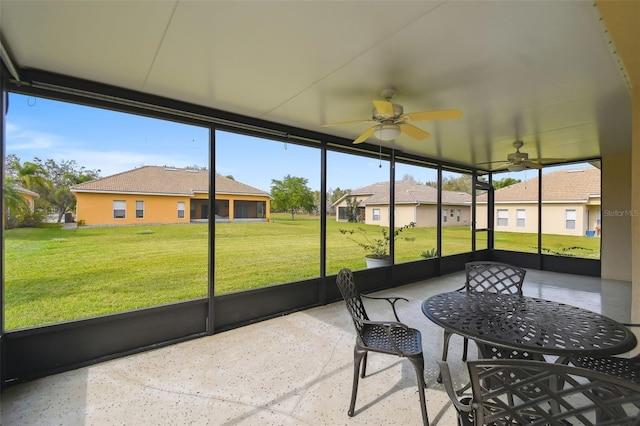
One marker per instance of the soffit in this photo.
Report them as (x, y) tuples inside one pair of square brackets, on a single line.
[(538, 71)]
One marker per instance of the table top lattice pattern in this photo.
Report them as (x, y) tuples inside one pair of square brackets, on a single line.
[(529, 324)]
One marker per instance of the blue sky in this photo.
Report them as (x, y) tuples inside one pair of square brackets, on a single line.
[(115, 142)]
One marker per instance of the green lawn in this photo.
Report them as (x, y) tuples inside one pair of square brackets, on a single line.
[(54, 275)]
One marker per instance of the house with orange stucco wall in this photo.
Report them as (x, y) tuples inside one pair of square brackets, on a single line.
[(153, 195)]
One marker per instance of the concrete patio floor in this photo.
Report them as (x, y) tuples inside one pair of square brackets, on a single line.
[(291, 370)]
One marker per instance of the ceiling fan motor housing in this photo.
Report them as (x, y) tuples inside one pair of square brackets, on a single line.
[(518, 157), (397, 112)]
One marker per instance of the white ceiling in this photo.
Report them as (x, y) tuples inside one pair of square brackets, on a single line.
[(538, 71)]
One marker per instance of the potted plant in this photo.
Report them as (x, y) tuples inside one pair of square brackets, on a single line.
[(377, 247)]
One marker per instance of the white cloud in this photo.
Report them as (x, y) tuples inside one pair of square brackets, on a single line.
[(19, 139)]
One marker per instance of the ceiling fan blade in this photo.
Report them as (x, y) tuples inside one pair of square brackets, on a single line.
[(366, 135), (384, 107), (493, 162), (444, 114), (503, 167), (342, 123), (413, 131), (547, 160), (532, 165)]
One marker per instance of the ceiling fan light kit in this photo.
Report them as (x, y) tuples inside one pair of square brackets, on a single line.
[(387, 132), (390, 120), (516, 167)]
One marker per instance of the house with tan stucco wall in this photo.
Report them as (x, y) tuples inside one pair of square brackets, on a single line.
[(414, 202), (570, 204), (153, 194)]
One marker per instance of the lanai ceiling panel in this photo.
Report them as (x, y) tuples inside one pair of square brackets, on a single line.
[(537, 71)]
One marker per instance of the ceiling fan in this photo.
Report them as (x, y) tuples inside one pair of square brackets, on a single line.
[(518, 161), (389, 120)]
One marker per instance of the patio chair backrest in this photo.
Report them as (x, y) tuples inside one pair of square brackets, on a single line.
[(494, 277), (526, 392), (352, 298)]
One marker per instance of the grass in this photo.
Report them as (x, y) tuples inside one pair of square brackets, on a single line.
[(54, 275)]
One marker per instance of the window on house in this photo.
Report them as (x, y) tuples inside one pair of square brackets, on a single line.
[(180, 209), (119, 209), (342, 213), (458, 215), (570, 219), (445, 215), (503, 217), (139, 209), (376, 215), (520, 218)]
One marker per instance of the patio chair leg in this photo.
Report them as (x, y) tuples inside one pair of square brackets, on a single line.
[(418, 364), (464, 349), (364, 365), (358, 356)]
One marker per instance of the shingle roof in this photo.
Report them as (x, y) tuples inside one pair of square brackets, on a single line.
[(409, 192), (560, 185), (165, 181)]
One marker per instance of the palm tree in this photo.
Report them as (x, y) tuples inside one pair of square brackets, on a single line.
[(13, 200), (31, 176)]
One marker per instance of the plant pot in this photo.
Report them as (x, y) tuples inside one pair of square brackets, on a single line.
[(377, 262)]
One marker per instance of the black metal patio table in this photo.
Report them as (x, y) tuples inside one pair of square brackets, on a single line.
[(528, 324)]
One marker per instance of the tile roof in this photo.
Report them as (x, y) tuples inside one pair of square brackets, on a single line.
[(165, 181), (409, 192), (561, 185)]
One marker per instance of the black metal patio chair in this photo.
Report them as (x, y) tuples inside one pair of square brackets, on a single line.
[(486, 276), (540, 393), (388, 337), (625, 368)]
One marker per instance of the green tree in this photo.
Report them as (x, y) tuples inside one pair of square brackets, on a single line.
[(334, 195), (15, 204), (462, 183), (292, 194), (63, 176), (30, 175), (353, 209), (508, 181)]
